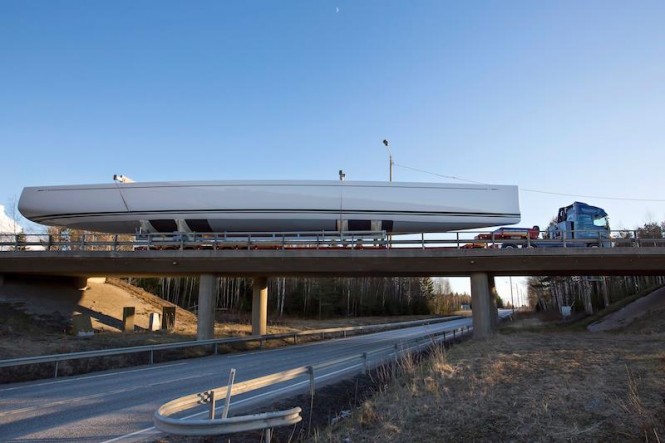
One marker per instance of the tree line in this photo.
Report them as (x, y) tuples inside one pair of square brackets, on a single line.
[(318, 297)]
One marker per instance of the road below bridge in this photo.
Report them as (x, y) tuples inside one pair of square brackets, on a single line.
[(120, 403)]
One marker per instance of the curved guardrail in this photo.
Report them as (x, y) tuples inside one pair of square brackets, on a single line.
[(166, 420), (229, 425)]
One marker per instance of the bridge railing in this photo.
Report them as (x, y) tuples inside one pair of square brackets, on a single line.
[(353, 240)]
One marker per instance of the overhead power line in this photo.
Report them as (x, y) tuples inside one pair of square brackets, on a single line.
[(596, 196), (438, 175), (538, 190)]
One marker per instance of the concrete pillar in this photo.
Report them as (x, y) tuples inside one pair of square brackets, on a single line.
[(154, 321), (259, 306), (168, 318), (128, 313), (481, 311), (494, 310), (205, 328), (82, 325), (81, 283)]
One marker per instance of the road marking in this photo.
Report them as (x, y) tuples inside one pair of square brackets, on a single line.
[(133, 434)]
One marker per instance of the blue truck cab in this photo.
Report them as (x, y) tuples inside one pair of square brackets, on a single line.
[(579, 225)]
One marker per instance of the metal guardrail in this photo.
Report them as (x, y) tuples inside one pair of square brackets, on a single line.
[(356, 240), (57, 358), (165, 421)]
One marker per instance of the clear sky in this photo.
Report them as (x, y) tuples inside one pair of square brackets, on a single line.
[(556, 96)]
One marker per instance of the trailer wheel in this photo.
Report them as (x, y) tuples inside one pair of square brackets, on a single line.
[(508, 246)]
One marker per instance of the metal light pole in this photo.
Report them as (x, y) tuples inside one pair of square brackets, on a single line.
[(390, 158), (512, 302)]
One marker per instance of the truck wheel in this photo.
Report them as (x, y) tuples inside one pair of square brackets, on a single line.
[(508, 246), (592, 245)]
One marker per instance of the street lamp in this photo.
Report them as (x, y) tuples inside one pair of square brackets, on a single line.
[(512, 302), (390, 158)]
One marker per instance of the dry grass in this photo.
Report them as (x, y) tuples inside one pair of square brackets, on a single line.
[(523, 386)]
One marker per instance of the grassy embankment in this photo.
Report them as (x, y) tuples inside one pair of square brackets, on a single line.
[(536, 383)]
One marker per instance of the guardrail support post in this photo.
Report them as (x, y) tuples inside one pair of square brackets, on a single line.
[(365, 363), (227, 400), (55, 374), (312, 388), (211, 414)]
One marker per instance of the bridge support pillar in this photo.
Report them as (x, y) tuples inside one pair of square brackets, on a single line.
[(205, 327), (494, 309), (259, 305), (481, 300), (81, 283)]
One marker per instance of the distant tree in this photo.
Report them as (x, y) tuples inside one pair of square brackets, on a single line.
[(650, 231), (427, 287)]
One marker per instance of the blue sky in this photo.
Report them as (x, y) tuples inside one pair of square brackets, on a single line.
[(557, 96)]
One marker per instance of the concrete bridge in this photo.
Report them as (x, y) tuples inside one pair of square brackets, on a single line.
[(481, 265)]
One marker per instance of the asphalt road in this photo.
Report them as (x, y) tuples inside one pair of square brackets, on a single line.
[(119, 405)]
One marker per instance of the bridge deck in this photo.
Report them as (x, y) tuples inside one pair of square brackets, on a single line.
[(340, 262)]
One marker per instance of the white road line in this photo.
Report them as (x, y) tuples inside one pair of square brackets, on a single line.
[(133, 434)]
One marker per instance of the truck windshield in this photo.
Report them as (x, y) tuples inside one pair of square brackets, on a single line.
[(602, 222)]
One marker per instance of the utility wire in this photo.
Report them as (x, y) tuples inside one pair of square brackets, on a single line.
[(438, 175), (537, 190), (596, 196)]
